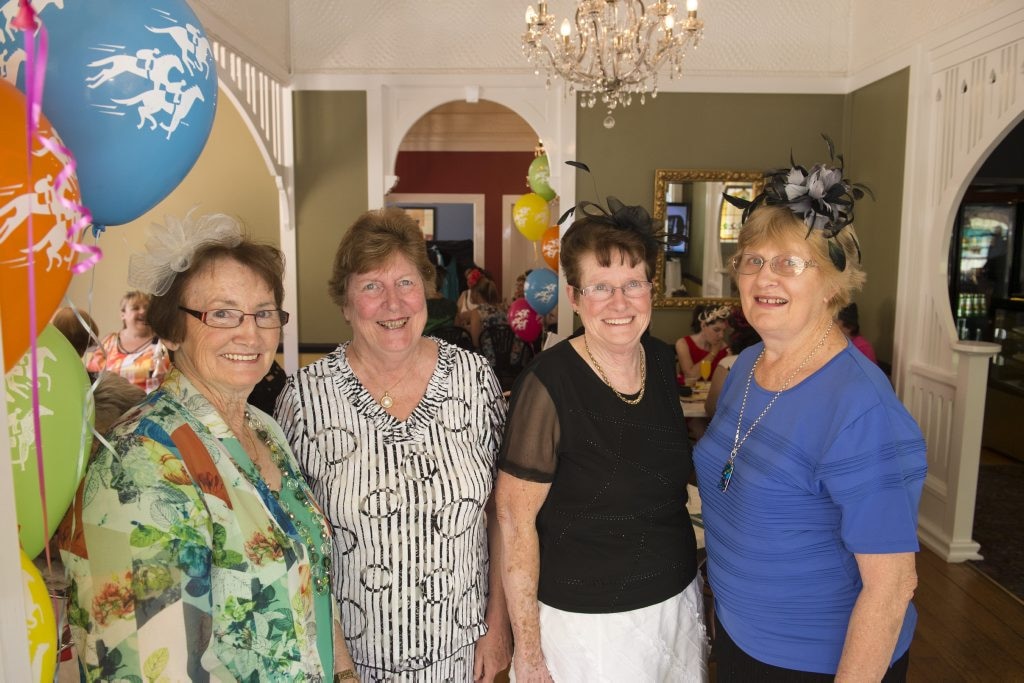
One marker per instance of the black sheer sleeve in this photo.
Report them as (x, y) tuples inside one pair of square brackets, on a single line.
[(530, 448)]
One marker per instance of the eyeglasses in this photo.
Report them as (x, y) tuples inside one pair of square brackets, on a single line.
[(634, 289), (784, 265), (271, 318)]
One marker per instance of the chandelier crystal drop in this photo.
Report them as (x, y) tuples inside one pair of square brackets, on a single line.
[(616, 51)]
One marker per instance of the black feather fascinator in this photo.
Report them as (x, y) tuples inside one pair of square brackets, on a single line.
[(635, 219), (821, 197)]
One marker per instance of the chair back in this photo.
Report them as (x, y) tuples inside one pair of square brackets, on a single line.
[(506, 353), (454, 335)]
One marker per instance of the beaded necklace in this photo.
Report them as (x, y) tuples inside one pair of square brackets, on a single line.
[(319, 548)]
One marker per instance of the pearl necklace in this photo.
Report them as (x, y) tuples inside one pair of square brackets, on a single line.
[(737, 442), (604, 377), (319, 549)]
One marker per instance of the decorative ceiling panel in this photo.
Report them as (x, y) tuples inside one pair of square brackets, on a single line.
[(396, 36), (778, 38), (257, 28), (882, 28), (463, 36)]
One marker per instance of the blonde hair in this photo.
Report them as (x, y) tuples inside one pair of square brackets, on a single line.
[(777, 224)]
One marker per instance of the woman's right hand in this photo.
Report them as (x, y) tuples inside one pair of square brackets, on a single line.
[(531, 669)]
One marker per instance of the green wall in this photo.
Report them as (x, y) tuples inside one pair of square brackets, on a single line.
[(675, 130), (876, 140), (699, 131), (330, 192)]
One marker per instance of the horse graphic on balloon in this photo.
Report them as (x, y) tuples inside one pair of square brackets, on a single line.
[(165, 96), (127, 104)]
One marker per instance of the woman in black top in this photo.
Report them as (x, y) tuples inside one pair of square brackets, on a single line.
[(599, 554)]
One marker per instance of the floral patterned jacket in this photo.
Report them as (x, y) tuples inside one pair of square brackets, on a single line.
[(178, 569)]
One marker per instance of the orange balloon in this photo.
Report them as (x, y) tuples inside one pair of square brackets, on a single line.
[(550, 246), (22, 196)]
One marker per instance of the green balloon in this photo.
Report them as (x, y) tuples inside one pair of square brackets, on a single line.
[(66, 437), (538, 177)]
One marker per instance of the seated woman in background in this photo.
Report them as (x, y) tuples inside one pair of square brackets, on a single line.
[(441, 310), (467, 301), (133, 352), (708, 340), (79, 332), (487, 311), (742, 336), (850, 325)]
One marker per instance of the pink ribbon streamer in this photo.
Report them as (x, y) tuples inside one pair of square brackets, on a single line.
[(33, 105), (35, 78)]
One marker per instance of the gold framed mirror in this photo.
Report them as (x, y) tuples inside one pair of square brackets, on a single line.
[(688, 205)]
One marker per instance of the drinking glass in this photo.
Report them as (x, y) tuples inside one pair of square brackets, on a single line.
[(705, 369)]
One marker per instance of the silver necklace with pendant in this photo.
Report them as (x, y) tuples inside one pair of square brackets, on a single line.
[(737, 442)]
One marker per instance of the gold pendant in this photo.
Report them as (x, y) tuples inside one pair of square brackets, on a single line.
[(386, 401)]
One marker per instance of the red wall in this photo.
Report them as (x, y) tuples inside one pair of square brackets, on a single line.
[(491, 174)]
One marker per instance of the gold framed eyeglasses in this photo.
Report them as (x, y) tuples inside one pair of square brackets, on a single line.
[(270, 318), (785, 265)]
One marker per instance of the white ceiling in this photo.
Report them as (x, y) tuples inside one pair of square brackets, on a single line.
[(751, 38), (749, 46)]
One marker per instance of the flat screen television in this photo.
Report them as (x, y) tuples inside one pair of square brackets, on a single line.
[(677, 227)]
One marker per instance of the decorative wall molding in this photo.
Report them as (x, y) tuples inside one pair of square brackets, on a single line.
[(265, 104), (966, 94), (263, 99)]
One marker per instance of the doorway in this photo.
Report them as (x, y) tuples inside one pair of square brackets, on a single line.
[(481, 150)]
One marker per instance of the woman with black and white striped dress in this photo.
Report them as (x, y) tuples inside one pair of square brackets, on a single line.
[(398, 436)]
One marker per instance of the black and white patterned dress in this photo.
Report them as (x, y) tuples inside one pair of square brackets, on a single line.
[(406, 500)]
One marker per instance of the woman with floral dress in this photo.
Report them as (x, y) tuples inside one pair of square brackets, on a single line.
[(194, 548)]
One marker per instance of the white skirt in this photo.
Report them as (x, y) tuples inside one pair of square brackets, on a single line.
[(666, 642)]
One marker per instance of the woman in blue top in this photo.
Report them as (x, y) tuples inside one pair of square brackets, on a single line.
[(811, 471)]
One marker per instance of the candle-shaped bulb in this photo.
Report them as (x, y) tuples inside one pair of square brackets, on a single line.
[(565, 29)]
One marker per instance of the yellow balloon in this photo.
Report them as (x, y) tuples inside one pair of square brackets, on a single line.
[(42, 627), (531, 216)]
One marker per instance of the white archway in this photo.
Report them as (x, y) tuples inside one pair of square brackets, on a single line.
[(965, 95), (394, 105)]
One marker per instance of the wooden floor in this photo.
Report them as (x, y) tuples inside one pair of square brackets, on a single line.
[(968, 629)]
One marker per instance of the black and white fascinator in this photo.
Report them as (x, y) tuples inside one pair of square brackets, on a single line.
[(635, 219), (821, 197)]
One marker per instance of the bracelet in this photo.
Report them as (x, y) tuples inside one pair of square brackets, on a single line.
[(346, 675)]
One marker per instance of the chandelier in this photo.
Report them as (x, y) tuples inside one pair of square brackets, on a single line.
[(616, 51)]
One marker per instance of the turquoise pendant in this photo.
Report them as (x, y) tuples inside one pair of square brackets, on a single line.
[(723, 484)]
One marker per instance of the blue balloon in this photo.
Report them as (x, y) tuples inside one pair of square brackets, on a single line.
[(541, 290), (131, 87)]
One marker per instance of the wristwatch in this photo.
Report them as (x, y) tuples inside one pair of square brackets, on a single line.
[(346, 675)]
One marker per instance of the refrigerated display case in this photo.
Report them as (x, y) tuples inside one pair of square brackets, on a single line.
[(986, 286)]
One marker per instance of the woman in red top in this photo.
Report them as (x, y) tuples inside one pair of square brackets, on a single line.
[(708, 340)]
